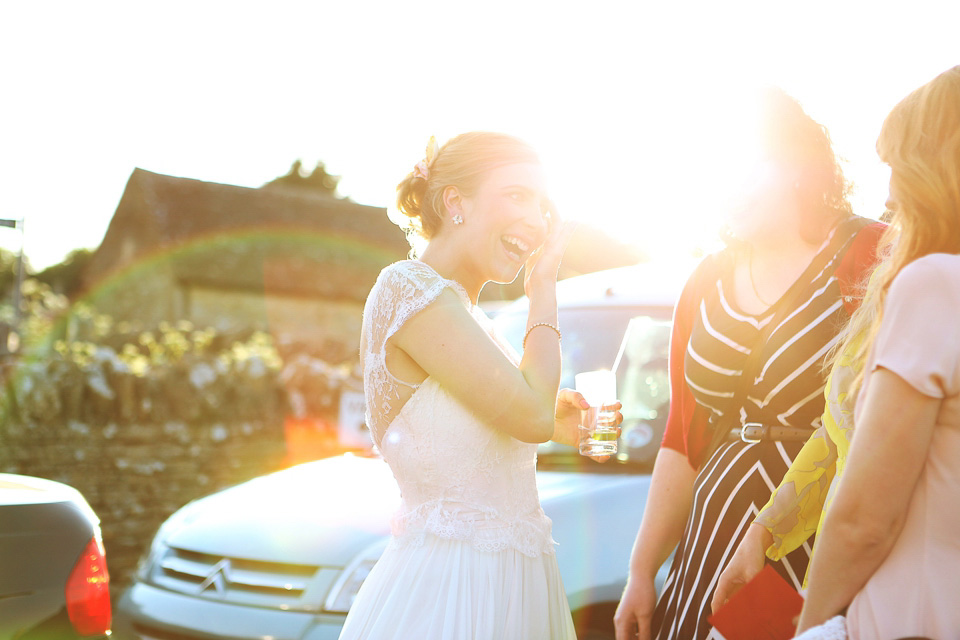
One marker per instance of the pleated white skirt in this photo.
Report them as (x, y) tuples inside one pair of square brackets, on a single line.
[(449, 590)]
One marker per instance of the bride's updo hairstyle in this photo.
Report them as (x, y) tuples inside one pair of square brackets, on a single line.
[(462, 163)]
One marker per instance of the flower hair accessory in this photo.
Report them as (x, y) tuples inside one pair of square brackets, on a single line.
[(422, 168)]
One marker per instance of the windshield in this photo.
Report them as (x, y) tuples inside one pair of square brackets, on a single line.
[(592, 337)]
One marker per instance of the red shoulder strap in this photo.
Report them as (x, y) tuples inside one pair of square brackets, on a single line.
[(858, 263)]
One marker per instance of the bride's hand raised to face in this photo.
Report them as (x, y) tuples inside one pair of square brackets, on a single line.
[(542, 265)]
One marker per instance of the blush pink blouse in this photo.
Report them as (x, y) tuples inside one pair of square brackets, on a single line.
[(916, 591)]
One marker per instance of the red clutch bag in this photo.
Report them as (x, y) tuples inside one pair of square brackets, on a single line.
[(763, 609)]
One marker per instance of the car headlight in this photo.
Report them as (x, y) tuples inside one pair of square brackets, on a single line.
[(345, 589)]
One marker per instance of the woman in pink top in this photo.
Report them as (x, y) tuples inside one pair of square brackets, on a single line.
[(889, 551)]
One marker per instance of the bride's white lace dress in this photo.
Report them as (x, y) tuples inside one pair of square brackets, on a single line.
[(471, 556)]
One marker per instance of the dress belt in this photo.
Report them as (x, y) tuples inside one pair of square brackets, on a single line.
[(753, 432)]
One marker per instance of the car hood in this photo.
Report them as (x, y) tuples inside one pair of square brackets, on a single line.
[(325, 512), (320, 513)]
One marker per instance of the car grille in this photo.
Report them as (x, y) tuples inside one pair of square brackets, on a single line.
[(237, 580)]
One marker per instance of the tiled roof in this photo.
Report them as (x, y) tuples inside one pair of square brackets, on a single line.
[(230, 237)]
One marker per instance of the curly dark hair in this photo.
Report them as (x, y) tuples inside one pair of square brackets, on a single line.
[(795, 140)]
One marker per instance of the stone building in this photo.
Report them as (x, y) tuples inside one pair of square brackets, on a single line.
[(295, 263)]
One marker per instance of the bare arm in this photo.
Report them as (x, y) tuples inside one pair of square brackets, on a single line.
[(449, 346), (664, 517), (888, 453)]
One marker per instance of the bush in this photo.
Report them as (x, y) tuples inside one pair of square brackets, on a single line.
[(75, 364)]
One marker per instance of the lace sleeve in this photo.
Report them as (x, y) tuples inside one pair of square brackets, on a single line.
[(401, 291)]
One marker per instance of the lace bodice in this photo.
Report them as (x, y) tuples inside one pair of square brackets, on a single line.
[(401, 290), (459, 478)]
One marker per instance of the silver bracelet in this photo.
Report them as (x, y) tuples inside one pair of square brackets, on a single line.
[(541, 324)]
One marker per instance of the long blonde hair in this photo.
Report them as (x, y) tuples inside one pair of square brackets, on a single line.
[(461, 162), (920, 141)]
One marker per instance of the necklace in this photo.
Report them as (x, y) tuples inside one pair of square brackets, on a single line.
[(752, 283)]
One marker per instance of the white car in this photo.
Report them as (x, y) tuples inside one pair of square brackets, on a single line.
[(282, 556)]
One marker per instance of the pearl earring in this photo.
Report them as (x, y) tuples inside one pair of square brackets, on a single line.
[(458, 219)]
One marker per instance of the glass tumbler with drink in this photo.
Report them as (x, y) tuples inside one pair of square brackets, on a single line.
[(598, 428)]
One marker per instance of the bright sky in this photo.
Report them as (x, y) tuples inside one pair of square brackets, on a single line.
[(628, 103)]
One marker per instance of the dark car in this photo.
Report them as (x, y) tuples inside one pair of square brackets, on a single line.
[(53, 573)]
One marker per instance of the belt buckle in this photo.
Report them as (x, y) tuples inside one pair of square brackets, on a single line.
[(748, 439)]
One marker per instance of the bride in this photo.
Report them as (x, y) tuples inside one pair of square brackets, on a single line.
[(457, 413)]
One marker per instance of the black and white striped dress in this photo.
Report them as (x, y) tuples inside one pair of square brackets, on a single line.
[(735, 483)]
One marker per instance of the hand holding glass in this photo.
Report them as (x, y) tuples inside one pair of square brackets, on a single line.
[(598, 427)]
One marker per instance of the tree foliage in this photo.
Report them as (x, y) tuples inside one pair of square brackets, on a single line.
[(8, 273), (66, 277), (317, 180)]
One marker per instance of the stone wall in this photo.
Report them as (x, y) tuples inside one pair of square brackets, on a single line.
[(135, 476)]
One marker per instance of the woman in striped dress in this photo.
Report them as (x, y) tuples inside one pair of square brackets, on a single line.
[(751, 330)]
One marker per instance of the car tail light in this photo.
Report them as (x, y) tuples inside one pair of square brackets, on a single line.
[(88, 592)]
